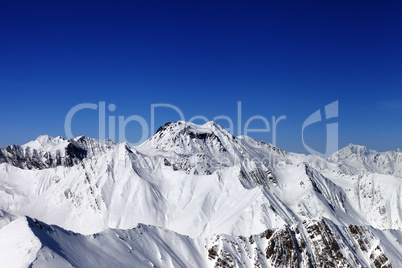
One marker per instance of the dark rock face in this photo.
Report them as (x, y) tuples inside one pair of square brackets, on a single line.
[(314, 244), (284, 248), (15, 155), (258, 176), (325, 249), (18, 157), (68, 154), (74, 153), (364, 239), (28, 158)]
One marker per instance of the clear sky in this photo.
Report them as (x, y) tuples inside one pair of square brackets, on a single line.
[(277, 57)]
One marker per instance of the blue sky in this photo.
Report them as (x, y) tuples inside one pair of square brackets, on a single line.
[(277, 57)]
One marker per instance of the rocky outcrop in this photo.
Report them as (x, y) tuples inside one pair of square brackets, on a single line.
[(69, 153), (314, 244)]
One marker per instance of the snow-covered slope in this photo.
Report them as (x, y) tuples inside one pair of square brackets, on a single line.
[(317, 243), (197, 182)]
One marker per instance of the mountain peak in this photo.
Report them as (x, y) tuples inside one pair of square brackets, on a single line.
[(180, 125), (44, 138), (358, 149), (46, 142), (351, 150), (191, 129), (361, 150), (186, 137)]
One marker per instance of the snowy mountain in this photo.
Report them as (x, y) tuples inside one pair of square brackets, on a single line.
[(196, 196), (356, 158)]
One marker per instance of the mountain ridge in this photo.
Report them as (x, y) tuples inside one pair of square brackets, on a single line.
[(200, 182)]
